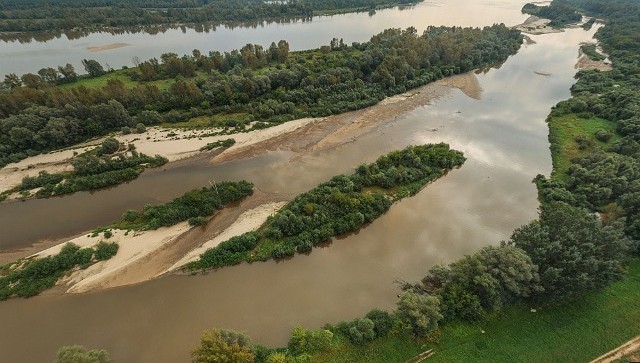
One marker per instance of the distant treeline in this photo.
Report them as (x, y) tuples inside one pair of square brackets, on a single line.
[(272, 85), (31, 16), (341, 205)]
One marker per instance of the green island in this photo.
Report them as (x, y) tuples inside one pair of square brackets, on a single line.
[(32, 275), (341, 205), (106, 165), (84, 15), (564, 287), (241, 90)]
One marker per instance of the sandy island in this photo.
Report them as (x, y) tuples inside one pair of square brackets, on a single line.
[(536, 26), (146, 255), (102, 48)]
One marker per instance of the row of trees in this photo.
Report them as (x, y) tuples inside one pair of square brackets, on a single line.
[(311, 83), (31, 16), (342, 205), (195, 203)]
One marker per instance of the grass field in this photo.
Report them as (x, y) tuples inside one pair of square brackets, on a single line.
[(563, 131), (576, 332), (121, 75)]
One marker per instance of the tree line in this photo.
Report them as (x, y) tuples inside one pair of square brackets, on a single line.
[(341, 205), (272, 85), (33, 16), (191, 206)]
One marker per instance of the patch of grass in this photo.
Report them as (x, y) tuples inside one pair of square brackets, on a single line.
[(102, 80), (572, 137), (121, 74), (590, 51), (576, 332), (398, 346)]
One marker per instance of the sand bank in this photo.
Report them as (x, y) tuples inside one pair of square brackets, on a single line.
[(101, 48), (248, 221), (535, 26)]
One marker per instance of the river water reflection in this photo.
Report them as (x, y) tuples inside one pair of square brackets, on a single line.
[(20, 58), (504, 137)]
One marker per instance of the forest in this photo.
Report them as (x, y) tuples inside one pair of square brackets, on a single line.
[(54, 109), (56, 15), (341, 205)]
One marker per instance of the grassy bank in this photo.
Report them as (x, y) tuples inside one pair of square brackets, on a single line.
[(572, 137), (577, 332)]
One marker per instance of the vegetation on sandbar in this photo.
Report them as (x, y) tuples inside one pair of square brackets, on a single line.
[(192, 206), (107, 165), (30, 276), (341, 205)]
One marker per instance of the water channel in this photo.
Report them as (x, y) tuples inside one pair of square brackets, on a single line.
[(20, 57), (503, 135)]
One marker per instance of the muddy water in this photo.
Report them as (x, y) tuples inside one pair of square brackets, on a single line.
[(504, 137), (19, 57)]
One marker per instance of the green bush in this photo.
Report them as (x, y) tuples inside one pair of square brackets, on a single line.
[(105, 251)]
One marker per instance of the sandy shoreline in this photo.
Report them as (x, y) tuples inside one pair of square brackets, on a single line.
[(146, 255)]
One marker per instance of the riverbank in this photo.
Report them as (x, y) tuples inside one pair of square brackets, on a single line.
[(176, 144), (581, 331)]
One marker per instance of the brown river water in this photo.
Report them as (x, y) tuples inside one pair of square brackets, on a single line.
[(503, 135)]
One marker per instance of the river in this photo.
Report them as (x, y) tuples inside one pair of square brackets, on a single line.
[(22, 57), (502, 133)]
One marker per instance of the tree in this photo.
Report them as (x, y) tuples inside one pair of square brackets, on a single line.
[(110, 146), (68, 72), (93, 67), (422, 312), (79, 354), (223, 346), (484, 281), (12, 80), (573, 251)]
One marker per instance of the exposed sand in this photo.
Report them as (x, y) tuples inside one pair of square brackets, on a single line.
[(248, 221), (155, 141), (101, 48), (11, 175), (586, 63), (143, 256), (133, 247), (535, 26)]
